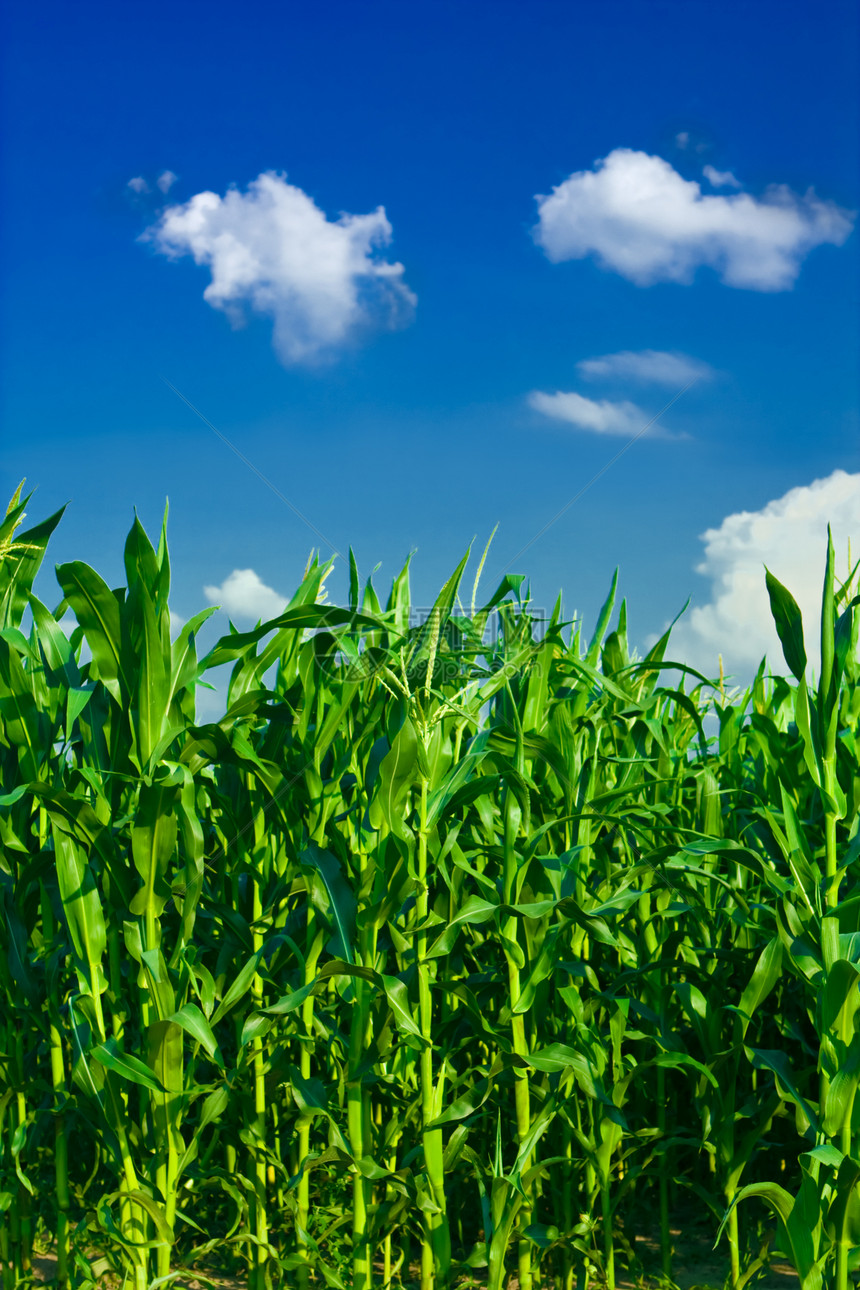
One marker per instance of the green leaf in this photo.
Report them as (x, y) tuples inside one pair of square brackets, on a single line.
[(765, 975), (130, 1068), (97, 610), (81, 906), (239, 987), (398, 998), (786, 1079), (465, 1105), (193, 1022), (341, 900), (789, 624), (397, 774)]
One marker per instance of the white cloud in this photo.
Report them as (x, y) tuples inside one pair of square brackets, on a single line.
[(600, 416), (649, 366), (245, 595), (720, 178), (272, 249), (788, 535), (138, 184), (682, 138), (636, 215), (166, 180)]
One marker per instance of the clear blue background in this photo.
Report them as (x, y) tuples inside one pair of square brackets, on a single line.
[(453, 116)]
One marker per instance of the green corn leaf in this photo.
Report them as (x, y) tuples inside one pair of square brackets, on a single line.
[(309, 1096), (397, 773), (299, 618), (128, 1067), (97, 610), (789, 624), (465, 1105), (153, 686), (786, 1079), (193, 1022), (238, 988), (341, 900), (602, 623), (765, 975), (21, 562), (82, 907), (398, 998)]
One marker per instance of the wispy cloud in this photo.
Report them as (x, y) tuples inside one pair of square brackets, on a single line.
[(720, 178), (646, 366), (138, 184), (597, 416), (637, 216), (788, 535), (166, 180), (244, 595), (271, 249)]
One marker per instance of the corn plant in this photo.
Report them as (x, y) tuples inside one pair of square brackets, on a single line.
[(453, 950)]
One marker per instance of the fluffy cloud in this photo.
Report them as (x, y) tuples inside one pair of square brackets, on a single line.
[(138, 184), (788, 535), (166, 180), (272, 249), (636, 215), (245, 595), (600, 416), (648, 366)]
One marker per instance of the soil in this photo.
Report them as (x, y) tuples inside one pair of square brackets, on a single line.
[(695, 1267)]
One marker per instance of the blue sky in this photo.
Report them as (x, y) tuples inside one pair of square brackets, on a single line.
[(416, 408)]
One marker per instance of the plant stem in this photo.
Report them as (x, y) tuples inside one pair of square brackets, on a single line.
[(315, 939), (436, 1247), (260, 1172)]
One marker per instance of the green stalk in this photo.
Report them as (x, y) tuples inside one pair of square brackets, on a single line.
[(61, 1145), (361, 1267), (663, 1178), (734, 1238), (567, 1274), (358, 1108), (436, 1246), (315, 942), (8, 1231), (522, 1098), (24, 1262), (261, 1223), (653, 948), (608, 1238), (137, 1226)]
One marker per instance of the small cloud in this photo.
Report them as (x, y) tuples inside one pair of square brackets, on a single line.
[(648, 366), (598, 416), (138, 184), (245, 595), (788, 535), (682, 139), (637, 216), (166, 180), (271, 249), (720, 178)]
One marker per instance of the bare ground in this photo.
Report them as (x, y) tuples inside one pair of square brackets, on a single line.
[(695, 1267)]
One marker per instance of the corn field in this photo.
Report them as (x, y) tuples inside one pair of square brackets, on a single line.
[(452, 952)]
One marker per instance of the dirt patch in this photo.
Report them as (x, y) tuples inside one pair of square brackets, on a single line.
[(695, 1267)]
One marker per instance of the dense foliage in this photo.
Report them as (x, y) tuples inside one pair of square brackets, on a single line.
[(461, 945)]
